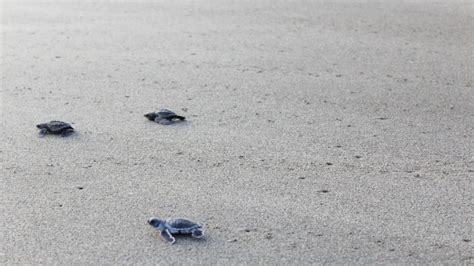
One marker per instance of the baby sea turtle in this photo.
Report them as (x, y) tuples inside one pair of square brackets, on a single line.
[(56, 128), (164, 117), (172, 226)]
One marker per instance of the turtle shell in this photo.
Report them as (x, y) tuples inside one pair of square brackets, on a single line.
[(181, 224), (58, 126), (55, 127), (167, 114)]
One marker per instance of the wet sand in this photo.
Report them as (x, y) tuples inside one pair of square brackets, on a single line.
[(317, 133)]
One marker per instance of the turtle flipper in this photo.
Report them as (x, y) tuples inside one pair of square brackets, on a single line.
[(182, 118), (67, 132), (197, 233), (163, 121), (43, 132), (165, 234)]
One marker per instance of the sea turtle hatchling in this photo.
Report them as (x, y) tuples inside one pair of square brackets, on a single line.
[(164, 117), (56, 128), (172, 226)]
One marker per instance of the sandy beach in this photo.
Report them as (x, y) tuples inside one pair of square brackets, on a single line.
[(317, 132)]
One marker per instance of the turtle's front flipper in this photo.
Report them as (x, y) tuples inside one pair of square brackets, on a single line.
[(43, 132), (197, 233), (163, 121), (167, 236)]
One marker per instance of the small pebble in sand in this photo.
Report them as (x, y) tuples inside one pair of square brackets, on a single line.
[(328, 163), (323, 191)]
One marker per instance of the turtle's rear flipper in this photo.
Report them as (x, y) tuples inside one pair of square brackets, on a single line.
[(67, 132), (182, 118), (197, 233), (163, 121), (167, 236), (42, 132)]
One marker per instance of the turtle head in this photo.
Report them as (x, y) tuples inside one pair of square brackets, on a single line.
[(150, 116), (155, 222), (40, 126)]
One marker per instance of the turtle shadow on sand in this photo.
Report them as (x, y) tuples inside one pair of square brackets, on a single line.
[(187, 239)]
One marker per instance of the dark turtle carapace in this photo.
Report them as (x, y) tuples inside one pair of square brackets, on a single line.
[(172, 226), (56, 128), (164, 117)]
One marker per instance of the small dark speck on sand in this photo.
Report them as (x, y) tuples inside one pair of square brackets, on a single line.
[(466, 240), (383, 118), (358, 156), (323, 191), (80, 188), (328, 163), (301, 177), (339, 75)]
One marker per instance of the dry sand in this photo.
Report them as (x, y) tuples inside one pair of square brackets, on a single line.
[(369, 101)]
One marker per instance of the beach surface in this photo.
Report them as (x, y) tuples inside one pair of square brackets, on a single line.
[(336, 132)]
